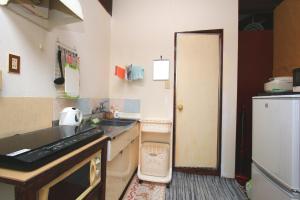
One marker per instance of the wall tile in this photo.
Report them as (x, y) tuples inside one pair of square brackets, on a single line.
[(131, 106), (59, 104), (84, 105), (118, 104), (126, 105), (87, 105)]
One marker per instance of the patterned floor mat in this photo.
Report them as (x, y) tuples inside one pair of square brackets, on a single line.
[(145, 191)]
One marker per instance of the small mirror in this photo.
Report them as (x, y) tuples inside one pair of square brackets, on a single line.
[(161, 70)]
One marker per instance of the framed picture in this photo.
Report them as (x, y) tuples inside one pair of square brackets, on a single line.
[(14, 64)]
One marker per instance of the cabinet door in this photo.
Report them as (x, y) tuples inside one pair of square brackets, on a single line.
[(121, 169), (276, 138), (120, 142)]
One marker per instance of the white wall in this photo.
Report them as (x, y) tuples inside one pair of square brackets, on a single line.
[(140, 31), (143, 30), (19, 36), (91, 39)]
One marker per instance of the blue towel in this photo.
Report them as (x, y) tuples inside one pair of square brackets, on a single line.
[(135, 73)]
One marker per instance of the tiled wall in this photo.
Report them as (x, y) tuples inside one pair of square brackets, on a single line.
[(126, 105), (59, 104), (86, 105), (24, 114)]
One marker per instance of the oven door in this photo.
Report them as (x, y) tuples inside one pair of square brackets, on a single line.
[(75, 183)]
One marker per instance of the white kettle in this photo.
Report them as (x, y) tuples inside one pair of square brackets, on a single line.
[(70, 116)]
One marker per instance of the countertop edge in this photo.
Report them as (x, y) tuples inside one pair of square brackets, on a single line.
[(9, 176), (121, 130)]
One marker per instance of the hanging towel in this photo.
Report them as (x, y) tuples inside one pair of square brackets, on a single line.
[(120, 72), (135, 72)]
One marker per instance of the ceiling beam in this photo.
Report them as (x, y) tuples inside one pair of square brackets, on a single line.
[(107, 4)]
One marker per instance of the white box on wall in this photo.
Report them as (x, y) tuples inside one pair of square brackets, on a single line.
[(161, 70)]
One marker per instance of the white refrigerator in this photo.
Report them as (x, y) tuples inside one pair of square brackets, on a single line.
[(275, 148)]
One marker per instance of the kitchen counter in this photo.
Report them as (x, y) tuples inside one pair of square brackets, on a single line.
[(122, 157), (111, 131), (30, 185), (17, 177), (114, 131)]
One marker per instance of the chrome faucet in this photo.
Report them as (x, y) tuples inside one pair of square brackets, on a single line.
[(100, 108)]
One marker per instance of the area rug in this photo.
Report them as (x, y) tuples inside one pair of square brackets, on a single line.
[(145, 191)]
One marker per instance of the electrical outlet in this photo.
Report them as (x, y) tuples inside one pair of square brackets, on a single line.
[(167, 84)]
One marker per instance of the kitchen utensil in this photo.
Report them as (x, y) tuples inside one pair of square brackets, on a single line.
[(61, 79), (279, 84), (109, 115), (70, 116)]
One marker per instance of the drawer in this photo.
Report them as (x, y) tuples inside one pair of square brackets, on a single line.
[(116, 145)]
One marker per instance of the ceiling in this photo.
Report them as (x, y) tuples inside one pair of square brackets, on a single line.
[(257, 12), (245, 6), (257, 6)]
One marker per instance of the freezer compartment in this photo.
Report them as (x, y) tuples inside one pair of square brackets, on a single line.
[(275, 139), (266, 189)]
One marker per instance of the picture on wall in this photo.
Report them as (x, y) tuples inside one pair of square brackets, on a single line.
[(14, 64)]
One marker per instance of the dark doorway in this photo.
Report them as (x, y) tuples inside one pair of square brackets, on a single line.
[(255, 64)]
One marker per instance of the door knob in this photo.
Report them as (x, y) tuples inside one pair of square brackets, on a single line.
[(180, 107)]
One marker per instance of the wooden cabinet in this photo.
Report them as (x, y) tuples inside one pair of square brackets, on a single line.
[(124, 163), (117, 144), (286, 38)]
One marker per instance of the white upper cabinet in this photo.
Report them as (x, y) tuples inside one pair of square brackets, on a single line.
[(47, 13)]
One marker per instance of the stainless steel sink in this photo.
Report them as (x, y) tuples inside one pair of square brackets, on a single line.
[(116, 122)]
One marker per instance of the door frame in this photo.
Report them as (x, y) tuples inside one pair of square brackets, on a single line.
[(202, 171)]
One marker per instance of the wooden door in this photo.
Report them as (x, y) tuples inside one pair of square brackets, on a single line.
[(198, 98)]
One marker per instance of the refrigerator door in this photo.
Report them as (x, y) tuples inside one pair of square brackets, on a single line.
[(275, 142), (265, 189)]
